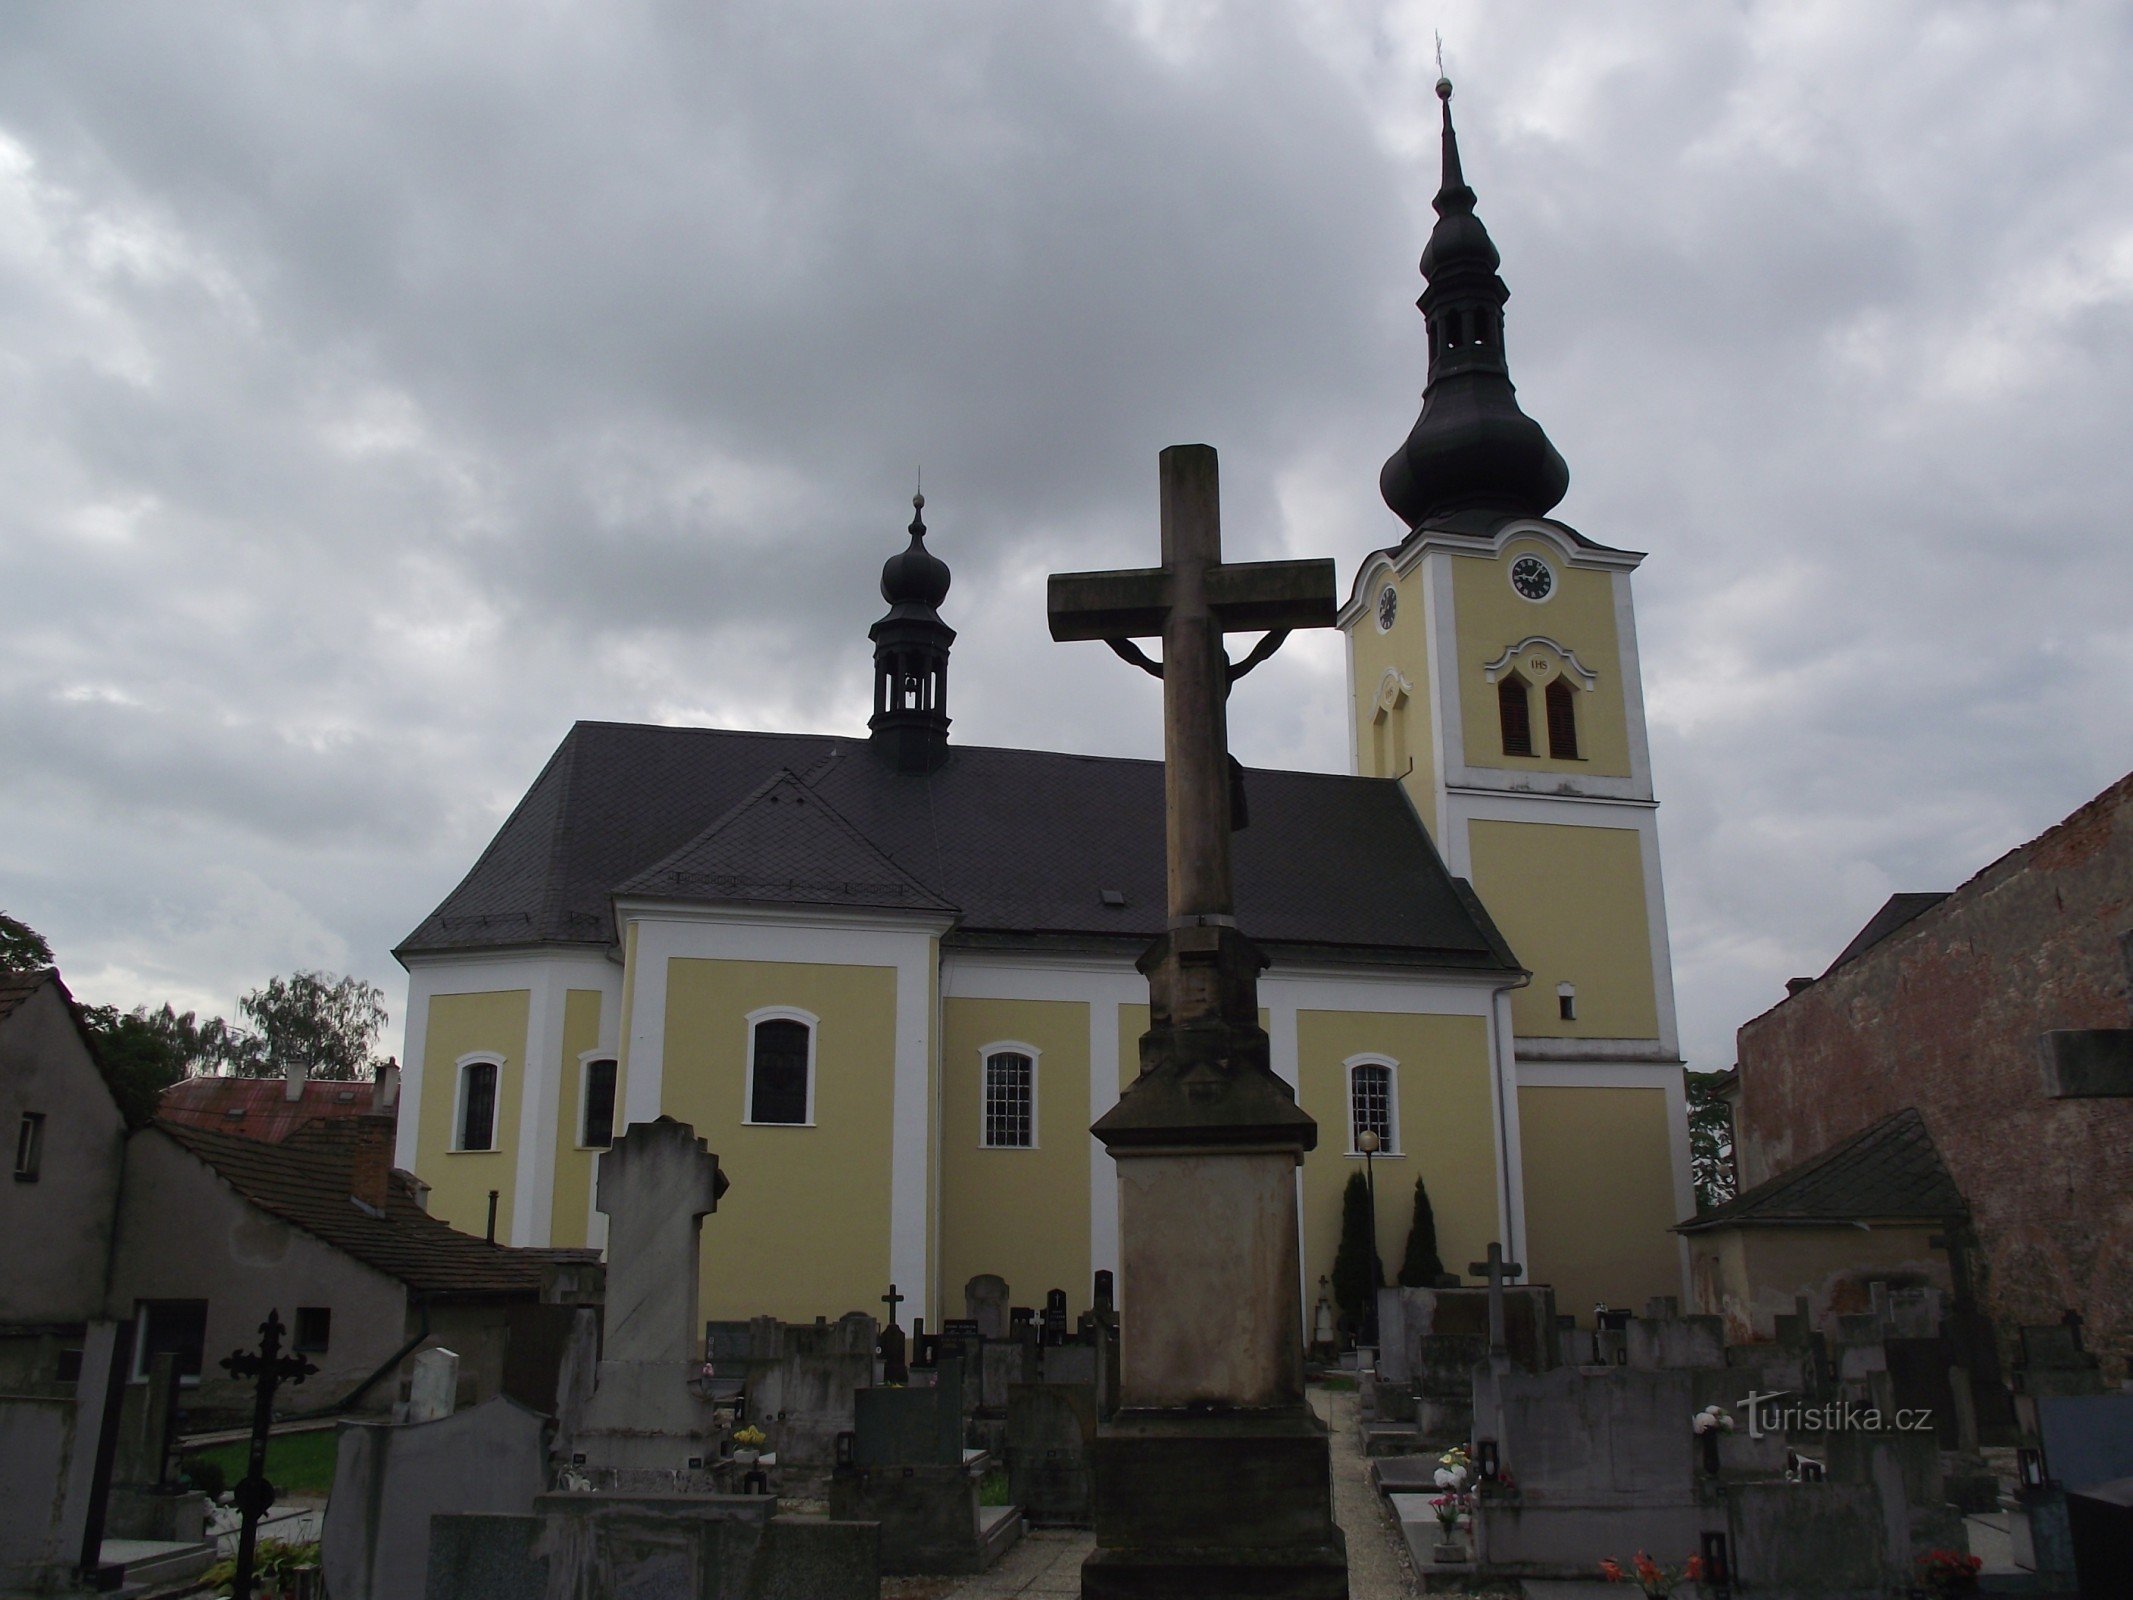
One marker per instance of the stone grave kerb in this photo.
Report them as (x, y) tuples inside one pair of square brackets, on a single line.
[(657, 1183)]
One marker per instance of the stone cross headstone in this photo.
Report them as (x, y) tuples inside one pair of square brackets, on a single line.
[(433, 1391), (1498, 1272), (657, 1184), (895, 1364), (985, 1303)]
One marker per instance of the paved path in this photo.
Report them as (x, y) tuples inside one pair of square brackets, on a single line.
[(1047, 1561)]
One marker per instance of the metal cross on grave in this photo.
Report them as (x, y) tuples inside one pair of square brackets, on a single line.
[(270, 1368), (891, 1346), (1190, 602), (1498, 1271)]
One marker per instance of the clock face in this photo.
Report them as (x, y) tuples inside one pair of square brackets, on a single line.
[(1530, 577), (1388, 607)]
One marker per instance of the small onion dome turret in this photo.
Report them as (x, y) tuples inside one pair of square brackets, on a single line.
[(915, 576)]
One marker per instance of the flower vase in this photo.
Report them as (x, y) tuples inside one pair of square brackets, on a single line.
[(745, 1457)]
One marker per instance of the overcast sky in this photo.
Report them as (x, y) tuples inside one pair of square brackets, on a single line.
[(384, 387)]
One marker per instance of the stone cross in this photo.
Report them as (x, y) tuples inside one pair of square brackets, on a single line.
[(657, 1184), (1190, 602), (1498, 1271), (892, 1300)]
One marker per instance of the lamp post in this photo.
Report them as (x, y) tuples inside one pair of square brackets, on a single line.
[(1369, 1143)]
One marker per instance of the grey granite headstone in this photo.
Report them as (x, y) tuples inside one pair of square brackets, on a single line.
[(389, 1479), (985, 1303), (433, 1389), (477, 1556), (2088, 1439)]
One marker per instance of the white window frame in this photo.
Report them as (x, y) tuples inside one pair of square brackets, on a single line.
[(776, 1014), (478, 1058), (139, 1364), (1392, 1101), (585, 1060), (1004, 1047)]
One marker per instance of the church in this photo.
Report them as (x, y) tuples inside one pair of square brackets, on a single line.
[(891, 978)]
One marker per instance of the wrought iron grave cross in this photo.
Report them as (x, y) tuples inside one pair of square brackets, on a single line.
[(270, 1368)]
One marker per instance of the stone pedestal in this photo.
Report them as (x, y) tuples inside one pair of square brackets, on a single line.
[(1213, 1478)]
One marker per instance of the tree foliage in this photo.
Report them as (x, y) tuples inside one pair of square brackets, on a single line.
[(1710, 1141), (22, 947), (144, 1052), (1421, 1266), (328, 1022), (1355, 1264)]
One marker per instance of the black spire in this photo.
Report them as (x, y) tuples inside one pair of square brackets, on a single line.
[(910, 721), (1471, 447)]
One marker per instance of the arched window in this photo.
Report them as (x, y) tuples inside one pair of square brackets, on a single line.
[(781, 1067), (1562, 720), (1515, 711), (1009, 1107), (1373, 1104), (596, 1124), (477, 1105)]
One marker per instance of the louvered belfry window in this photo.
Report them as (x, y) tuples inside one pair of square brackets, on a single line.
[(1562, 721), (1515, 712), (1010, 1100), (778, 1092)]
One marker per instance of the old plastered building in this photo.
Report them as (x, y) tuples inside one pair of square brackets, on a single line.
[(892, 979)]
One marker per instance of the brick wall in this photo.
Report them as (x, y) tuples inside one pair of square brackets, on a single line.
[(1947, 1015)]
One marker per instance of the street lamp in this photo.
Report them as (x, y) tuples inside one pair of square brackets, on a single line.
[(1369, 1143)]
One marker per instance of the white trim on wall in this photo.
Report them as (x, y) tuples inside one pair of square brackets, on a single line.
[(754, 1020)]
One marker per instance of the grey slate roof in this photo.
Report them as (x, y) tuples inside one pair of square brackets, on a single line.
[(1889, 1172), (1017, 846), (1895, 912)]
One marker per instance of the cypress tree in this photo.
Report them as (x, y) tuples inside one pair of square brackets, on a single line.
[(1354, 1260), (1421, 1266)]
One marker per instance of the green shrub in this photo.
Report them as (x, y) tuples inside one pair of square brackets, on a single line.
[(1421, 1266), (1355, 1263)]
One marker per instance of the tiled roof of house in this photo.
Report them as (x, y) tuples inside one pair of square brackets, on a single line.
[(1017, 846), (305, 1181), (259, 1108), (1889, 1172)]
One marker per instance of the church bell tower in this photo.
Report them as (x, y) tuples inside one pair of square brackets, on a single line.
[(909, 727), (1493, 673)]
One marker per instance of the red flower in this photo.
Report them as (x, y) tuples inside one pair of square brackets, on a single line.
[(1611, 1570)]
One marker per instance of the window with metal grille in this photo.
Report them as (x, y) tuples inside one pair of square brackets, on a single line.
[(477, 1106), (1010, 1100), (1562, 721), (314, 1328), (1515, 713), (599, 1129), (777, 1090), (1370, 1105)]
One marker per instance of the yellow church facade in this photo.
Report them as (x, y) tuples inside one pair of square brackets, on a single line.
[(891, 979)]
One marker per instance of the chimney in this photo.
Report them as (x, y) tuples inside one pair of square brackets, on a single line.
[(1794, 985), (292, 1088), (373, 1161), (385, 1092)]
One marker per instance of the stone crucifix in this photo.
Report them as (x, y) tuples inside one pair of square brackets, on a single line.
[(1498, 1272), (1190, 602)]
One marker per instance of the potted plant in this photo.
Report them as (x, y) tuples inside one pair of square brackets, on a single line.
[(748, 1445), (1656, 1581)]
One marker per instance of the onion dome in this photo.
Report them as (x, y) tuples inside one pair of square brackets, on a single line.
[(915, 576), (1472, 447)]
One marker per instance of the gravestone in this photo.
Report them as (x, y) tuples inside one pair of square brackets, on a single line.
[(1054, 1323), (904, 1467), (985, 1303), (433, 1389), (649, 1417), (1051, 1444), (1213, 1465), (801, 1383), (389, 1479), (144, 1502), (2087, 1439), (652, 1546)]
